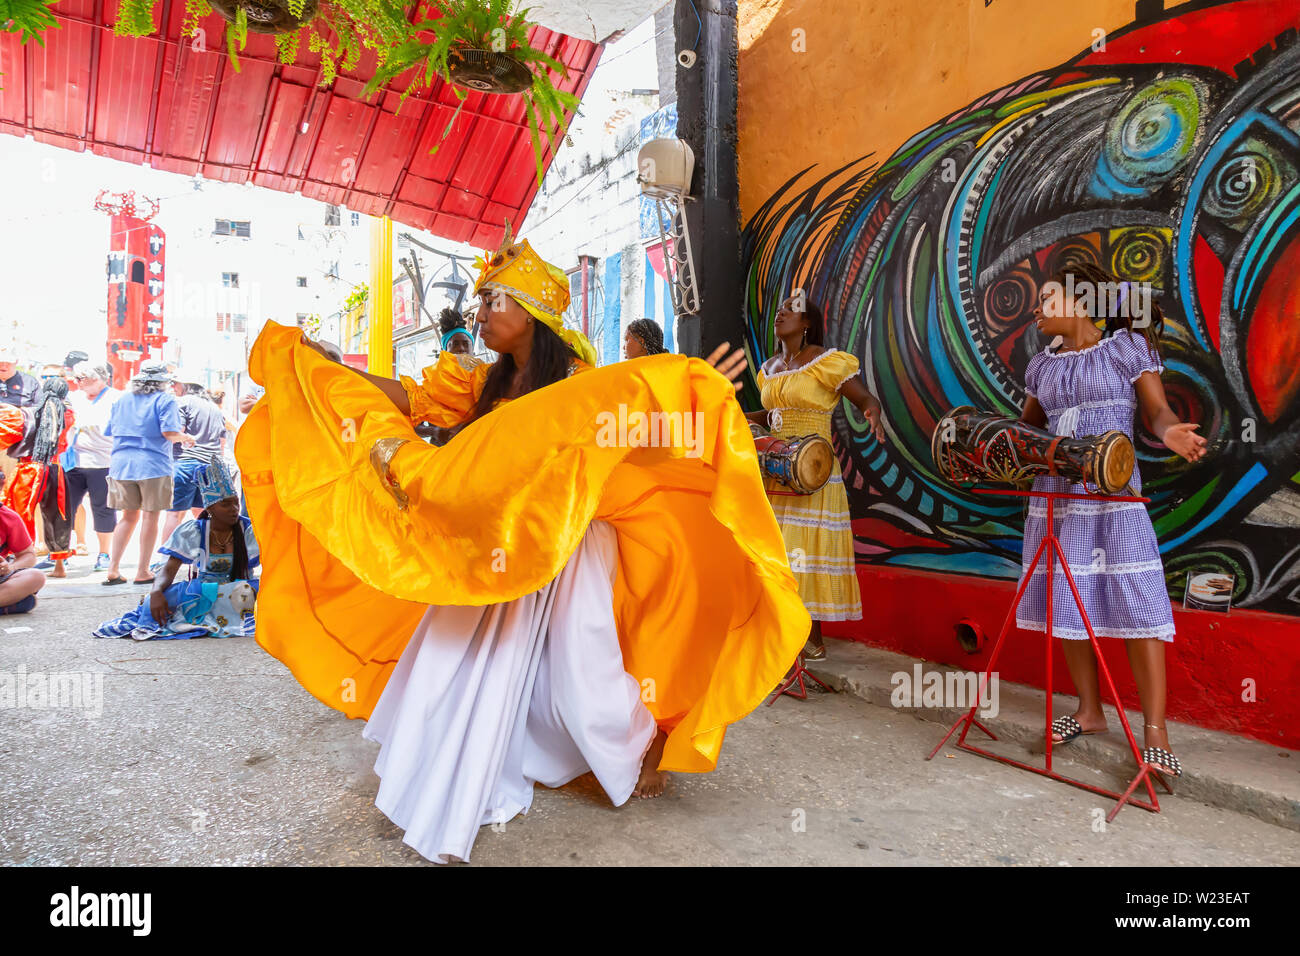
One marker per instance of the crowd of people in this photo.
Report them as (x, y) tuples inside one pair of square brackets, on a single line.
[(128, 456)]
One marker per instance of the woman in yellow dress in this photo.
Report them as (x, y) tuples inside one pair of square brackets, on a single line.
[(581, 579), (800, 387)]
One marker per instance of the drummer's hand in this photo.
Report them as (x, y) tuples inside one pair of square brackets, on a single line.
[(1182, 440), (733, 366), (872, 412)]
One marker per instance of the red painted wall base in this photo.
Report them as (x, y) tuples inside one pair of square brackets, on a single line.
[(1238, 672)]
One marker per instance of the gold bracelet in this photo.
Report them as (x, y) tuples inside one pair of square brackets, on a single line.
[(381, 455)]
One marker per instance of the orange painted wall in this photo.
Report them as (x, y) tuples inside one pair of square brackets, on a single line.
[(876, 71)]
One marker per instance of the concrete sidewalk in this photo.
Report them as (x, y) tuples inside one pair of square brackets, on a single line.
[(1221, 770), (208, 752)]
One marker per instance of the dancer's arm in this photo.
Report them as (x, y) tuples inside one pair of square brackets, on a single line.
[(389, 386), (1033, 413), (867, 404), (732, 367), (23, 559), (1178, 436)]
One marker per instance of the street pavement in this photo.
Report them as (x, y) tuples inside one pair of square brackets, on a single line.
[(209, 752)]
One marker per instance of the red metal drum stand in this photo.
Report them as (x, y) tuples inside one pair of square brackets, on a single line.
[(799, 672), (796, 676), (1051, 546)]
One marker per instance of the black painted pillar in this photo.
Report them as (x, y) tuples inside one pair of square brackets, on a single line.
[(706, 120)]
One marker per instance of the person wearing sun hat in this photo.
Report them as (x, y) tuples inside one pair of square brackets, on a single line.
[(540, 597), (143, 423)]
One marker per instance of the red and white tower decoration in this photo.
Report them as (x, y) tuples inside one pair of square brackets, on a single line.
[(136, 277)]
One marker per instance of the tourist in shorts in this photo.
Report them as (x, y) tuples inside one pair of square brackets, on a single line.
[(143, 424)]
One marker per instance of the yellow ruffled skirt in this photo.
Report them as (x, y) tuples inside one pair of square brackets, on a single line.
[(709, 615), (817, 530)]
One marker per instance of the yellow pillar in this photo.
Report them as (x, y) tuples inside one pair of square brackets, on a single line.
[(380, 337)]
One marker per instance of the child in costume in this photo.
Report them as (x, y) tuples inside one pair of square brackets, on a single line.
[(221, 553)]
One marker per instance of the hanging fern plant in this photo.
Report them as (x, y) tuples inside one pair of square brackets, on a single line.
[(475, 45), (482, 45), (28, 18), (339, 30)]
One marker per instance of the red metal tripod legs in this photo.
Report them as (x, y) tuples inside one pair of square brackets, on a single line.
[(797, 675), (1052, 547)]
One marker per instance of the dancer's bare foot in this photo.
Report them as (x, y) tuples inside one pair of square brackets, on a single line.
[(652, 780), (58, 571)]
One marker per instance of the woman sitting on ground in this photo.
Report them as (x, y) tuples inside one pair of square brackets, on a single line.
[(19, 581), (217, 599)]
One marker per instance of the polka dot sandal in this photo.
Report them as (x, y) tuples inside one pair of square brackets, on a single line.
[(1069, 729), (1162, 761)]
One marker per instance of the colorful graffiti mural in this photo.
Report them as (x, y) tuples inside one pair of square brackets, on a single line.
[(1171, 156)]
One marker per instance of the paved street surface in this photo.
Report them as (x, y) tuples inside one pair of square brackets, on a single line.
[(208, 752)]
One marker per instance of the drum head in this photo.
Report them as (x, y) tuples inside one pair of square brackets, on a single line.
[(1116, 462), (944, 439), (813, 464)]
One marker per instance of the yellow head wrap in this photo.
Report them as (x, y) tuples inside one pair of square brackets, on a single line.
[(538, 286)]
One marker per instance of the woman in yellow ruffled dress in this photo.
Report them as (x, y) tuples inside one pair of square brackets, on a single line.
[(800, 387), (585, 578)]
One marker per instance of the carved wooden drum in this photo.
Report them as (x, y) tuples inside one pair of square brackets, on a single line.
[(802, 464), (969, 445)]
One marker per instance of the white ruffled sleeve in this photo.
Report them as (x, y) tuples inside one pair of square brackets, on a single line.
[(250, 544), (185, 543)]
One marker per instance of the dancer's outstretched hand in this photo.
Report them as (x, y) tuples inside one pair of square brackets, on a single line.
[(1182, 439), (733, 366)]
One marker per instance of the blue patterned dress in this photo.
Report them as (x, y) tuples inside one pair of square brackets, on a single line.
[(209, 603), (1111, 546)]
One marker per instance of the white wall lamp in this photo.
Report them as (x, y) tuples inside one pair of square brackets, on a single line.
[(664, 171)]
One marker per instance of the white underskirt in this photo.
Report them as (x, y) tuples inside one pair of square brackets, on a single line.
[(485, 701)]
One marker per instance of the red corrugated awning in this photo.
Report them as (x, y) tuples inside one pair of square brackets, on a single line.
[(160, 101)]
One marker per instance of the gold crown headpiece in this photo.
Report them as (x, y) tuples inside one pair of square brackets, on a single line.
[(540, 288)]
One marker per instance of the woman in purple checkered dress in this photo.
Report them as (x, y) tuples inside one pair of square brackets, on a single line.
[(1093, 382)]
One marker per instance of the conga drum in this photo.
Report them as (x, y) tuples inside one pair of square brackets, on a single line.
[(970, 445), (803, 464)]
